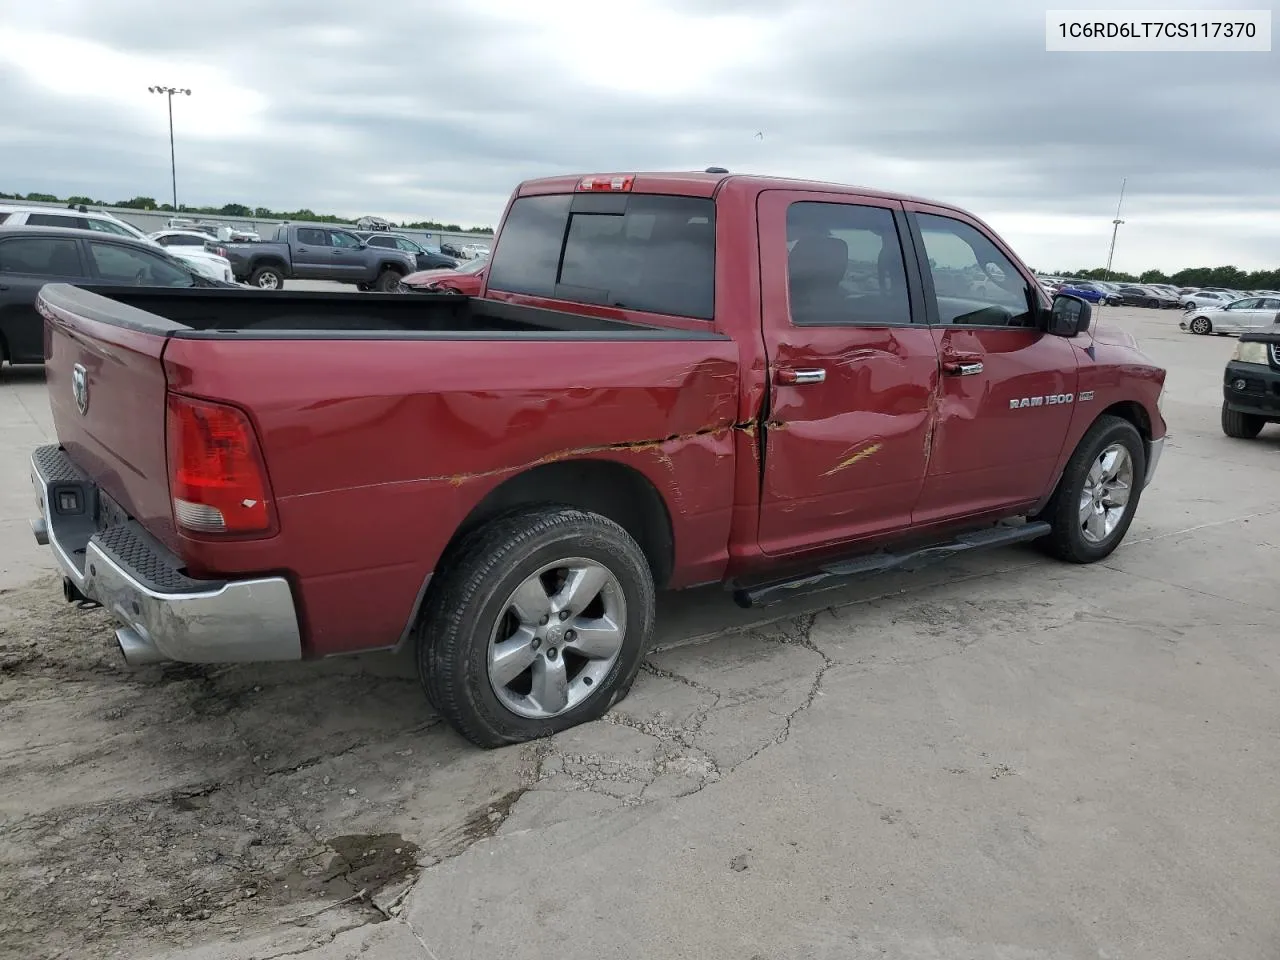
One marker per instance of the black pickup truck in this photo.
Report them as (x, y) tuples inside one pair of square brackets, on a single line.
[(1251, 385), (318, 253)]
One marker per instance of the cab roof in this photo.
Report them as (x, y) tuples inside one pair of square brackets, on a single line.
[(702, 184)]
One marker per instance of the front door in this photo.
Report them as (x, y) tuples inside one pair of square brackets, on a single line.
[(846, 437), (1007, 387), (348, 256)]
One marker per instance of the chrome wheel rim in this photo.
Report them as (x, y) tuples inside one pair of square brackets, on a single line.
[(268, 281), (557, 637), (1105, 497)]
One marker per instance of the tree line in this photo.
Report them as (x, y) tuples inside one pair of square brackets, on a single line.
[(236, 210), (1232, 278)]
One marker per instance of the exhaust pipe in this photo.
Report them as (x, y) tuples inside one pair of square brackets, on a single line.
[(137, 652)]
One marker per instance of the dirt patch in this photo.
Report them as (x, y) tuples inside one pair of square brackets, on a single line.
[(159, 807)]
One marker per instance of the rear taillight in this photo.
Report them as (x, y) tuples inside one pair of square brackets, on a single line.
[(216, 476)]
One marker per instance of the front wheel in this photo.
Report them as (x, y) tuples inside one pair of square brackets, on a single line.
[(1241, 426), (388, 282), (1200, 325), (538, 624), (1092, 508)]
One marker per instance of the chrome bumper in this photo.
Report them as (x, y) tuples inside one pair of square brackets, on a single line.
[(1154, 450), (165, 614)]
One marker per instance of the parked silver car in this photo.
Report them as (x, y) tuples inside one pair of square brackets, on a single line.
[(1239, 316)]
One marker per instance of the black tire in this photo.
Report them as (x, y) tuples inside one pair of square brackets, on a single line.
[(471, 595), (363, 287), (388, 281), (257, 278), (1241, 426), (1067, 541), (1201, 326)]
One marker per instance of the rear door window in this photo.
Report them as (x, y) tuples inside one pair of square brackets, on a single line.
[(41, 257), (643, 252), (312, 237), (56, 220)]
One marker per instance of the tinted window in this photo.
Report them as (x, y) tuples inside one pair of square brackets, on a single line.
[(180, 241), (117, 263), (339, 239), (106, 226), (973, 282), (313, 238), (637, 251), (1269, 304), (845, 265), (55, 220), (380, 242), (41, 257)]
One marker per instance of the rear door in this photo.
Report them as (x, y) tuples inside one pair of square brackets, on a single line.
[(1007, 387), (846, 441), (26, 265), (311, 254)]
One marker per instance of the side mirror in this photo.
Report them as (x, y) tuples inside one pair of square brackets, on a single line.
[(1070, 316)]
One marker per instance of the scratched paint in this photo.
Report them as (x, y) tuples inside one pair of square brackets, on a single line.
[(860, 455)]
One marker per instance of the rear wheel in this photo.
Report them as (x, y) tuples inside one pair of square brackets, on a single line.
[(267, 278), (538, 623), (1200, 325), (1094, 504), (1241, 426)]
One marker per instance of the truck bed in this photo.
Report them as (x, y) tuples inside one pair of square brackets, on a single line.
[(202, 313), (383, 421)]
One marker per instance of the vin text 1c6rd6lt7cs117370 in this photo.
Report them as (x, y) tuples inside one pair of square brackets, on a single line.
[(667, 380)]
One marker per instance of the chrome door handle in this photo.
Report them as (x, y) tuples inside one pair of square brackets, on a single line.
[(797, 378), (962, 368)]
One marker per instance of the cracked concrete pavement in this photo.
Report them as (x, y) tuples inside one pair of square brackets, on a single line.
[(1001, 758)]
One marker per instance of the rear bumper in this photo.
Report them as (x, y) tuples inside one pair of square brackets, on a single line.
[(164, 614)]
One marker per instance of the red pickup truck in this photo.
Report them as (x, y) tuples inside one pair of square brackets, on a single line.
[(669, 380)]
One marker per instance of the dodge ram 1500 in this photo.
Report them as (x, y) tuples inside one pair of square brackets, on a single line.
[(667, 380)]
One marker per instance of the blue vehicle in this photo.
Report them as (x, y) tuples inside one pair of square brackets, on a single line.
[(1087, 290)]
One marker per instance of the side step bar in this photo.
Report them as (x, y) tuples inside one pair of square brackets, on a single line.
[(838, 574)]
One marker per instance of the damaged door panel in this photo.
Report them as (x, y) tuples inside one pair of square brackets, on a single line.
[(845, 440)]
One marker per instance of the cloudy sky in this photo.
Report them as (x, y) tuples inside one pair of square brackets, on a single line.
[(418, 109)]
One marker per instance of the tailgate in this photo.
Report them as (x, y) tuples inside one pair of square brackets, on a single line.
[(107, 390)]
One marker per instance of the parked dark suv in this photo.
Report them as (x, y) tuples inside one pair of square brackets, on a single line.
[(425, 258), (30, 257)]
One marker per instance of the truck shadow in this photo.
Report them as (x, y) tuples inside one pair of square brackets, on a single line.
[(177, 797)]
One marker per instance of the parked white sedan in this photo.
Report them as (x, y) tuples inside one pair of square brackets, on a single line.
[(1239, 316), (190, 245)]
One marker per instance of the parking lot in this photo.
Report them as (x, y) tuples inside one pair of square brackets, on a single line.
[(1001, 757)]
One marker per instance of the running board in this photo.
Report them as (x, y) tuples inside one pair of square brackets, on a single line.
[(835, 575)]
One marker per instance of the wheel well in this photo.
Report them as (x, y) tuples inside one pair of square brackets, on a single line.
[(611, 489), (1135, 413), (266, 262), (393, 266)]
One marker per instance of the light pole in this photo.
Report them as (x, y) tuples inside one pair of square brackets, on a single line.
[(1115, 228), (173, 162)]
